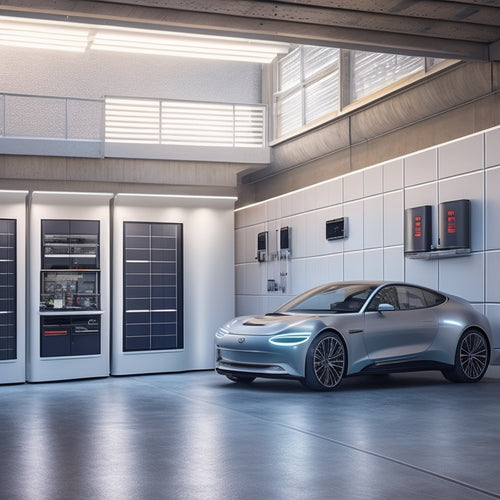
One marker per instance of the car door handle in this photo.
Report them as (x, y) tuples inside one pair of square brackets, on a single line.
[(356, 330)]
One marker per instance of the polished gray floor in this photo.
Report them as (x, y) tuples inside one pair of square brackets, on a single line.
[(198, 436)]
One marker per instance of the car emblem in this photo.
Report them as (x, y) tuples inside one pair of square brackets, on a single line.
[(241, 340)]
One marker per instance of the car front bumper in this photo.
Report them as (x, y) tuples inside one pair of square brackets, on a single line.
[(254, 355)]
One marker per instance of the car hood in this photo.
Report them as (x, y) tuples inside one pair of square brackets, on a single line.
[(267, 325)]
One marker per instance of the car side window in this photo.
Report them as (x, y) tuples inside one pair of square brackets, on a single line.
[(411, 298), (433, 298), (388, 295)]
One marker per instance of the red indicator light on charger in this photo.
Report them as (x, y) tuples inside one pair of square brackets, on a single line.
[(417, 226), (452, 222)]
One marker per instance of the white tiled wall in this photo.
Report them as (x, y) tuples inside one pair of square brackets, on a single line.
[(373, 200)]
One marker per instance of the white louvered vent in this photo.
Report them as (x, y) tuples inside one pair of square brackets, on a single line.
[(133, 121), (184, 123)]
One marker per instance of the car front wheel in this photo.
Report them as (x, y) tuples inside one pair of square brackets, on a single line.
[(471, 358), (325, 362)]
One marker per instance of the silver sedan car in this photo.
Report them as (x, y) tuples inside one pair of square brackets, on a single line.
[(358, 327)]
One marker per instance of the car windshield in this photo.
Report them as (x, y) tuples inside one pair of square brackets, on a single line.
[(340, 298)]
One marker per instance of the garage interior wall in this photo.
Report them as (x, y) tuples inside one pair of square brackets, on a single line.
[(94, 75), (373, 200)]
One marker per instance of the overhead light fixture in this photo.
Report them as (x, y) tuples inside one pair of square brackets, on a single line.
[(187, 45), (58, 35), (33, 33)]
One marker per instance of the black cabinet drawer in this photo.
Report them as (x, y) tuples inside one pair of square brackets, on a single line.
[(70, 335)]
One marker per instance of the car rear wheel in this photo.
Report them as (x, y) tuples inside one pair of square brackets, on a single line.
[(471, 358), (325, 362), (240, 380)]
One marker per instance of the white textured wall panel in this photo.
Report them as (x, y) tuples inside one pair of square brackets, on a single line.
[(373, 222), (493, 208), (394, 264), (492, 275), (354, 266), (373, 181), (393, 211), (393, 175), (353, 186), (240, 245), (30, 117), (373, 264), (421, 167), (354, 212), (493, 313), (492, 148), (463, 276), (422, 272), (335, 268), (460, 157)]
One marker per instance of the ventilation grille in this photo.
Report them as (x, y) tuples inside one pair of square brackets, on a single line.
[(150, 121)]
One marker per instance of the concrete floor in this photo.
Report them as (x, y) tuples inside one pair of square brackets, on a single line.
[(198, 436)]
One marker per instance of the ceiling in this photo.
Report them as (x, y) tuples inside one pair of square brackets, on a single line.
[(458, 29)]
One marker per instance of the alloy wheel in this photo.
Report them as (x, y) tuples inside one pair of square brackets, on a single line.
[(329, 361), (473, 355)]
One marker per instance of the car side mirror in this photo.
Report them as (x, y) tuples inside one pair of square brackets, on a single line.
[(386, 307)]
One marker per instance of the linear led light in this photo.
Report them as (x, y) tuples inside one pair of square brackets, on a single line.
[(186, 196), (32, 33), (57, 35), (72, 193), (187, 45)]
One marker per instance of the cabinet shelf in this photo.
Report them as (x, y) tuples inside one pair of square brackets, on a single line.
[(439, 254), (69, 290)]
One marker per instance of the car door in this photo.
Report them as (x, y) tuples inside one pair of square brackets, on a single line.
[(404, 332)]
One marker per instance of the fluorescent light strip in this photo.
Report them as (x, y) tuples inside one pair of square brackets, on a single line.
[(188, 196), (187, 45), (48, 35), (56, 35)]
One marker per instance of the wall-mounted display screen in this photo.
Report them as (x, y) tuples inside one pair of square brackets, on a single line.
[(262, 246), (262, 241), (285, 238), (153, 286), (336, 228), (8, 334)]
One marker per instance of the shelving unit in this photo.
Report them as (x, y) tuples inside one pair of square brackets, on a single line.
[(69, 288), (439, 254)]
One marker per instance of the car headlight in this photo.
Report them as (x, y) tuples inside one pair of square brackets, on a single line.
[(221, 332), (290, 339)]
